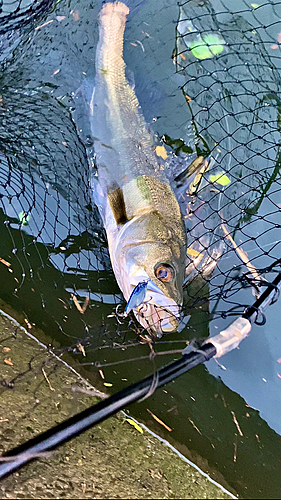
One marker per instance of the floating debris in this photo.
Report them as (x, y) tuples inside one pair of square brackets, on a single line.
[(195, 426), (23, 218), (78, 306), (5, 262), (159, 421), (80, 348), (236, 423), (43, 25), (207, 46)]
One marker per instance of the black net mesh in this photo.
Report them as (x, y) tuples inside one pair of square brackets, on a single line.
[(207, 78), (19, 13), (230, 83), (17, 21)]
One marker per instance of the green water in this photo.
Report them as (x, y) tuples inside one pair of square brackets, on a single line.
[(225, 419)]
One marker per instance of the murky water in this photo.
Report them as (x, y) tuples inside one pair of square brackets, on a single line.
[(225, 417)]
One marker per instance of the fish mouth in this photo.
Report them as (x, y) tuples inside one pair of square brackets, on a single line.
[(158, 320), (158, 314)]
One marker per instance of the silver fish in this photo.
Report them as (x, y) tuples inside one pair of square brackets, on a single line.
[(142, 218)]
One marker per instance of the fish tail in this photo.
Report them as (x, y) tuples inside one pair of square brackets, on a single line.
[(133, 5), (112, 19), (109, 55), (116, 7), (111, 10)]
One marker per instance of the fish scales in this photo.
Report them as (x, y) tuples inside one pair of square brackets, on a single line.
[(143, 222), (130, 136)]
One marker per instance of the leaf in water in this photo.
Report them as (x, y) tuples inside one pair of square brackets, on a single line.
[(134, 424), (208, 47), (221, 179), (161, 151), (107, 384), (194, 253), (23, 218)]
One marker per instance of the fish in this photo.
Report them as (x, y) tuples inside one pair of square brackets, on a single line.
[(145, 230)]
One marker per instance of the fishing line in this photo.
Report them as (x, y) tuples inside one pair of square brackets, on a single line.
[(213, 347)]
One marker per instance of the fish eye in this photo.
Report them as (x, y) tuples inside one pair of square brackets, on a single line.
[(164, 272)]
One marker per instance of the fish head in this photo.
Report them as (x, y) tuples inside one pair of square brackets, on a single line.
[(161, 263), (159, 312)]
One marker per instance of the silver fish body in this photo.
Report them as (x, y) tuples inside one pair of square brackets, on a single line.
[(145, 231)]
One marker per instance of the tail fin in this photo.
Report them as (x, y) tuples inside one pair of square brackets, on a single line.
[(134, 5)]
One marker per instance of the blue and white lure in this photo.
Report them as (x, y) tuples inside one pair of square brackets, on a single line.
[(137, 297)]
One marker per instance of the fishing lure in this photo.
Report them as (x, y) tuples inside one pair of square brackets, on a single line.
[(137, 297)]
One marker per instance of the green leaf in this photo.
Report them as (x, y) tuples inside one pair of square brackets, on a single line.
[(23, 218), (208, 47), (221, 179)]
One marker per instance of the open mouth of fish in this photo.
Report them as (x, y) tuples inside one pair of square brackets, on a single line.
[(158, 314), (158, 320)]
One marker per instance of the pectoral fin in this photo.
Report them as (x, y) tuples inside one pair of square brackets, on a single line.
[(133, 199), (117, 205)]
